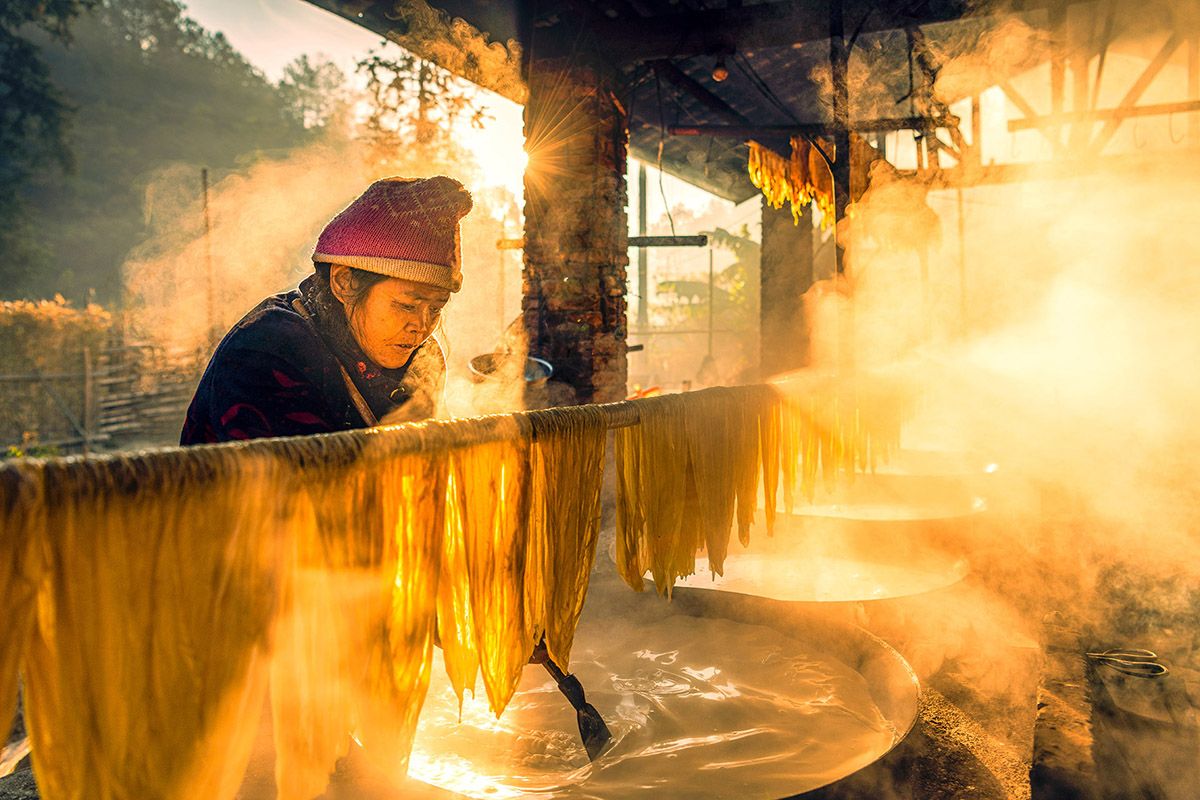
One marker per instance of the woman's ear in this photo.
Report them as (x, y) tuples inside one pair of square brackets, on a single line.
[(341, 283)]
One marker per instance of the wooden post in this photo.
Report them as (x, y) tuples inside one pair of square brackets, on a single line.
[(786, 274), (501, 324), (89, 423), (208, 262), (977, 132), (962, 263), (838, 62), (1080, 130), (576, 229), (710, 302), (1058, 66)]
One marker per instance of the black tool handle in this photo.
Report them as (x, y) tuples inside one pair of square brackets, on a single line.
[(568, 684)]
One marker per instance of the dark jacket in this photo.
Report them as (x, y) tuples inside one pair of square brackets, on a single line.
[(278, 373)]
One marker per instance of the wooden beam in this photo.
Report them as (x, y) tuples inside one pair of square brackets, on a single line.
[(813, 128), (1023, 105), (696, 90), (1154, 110), (700, 240), (1065, 167), (1134, 94)]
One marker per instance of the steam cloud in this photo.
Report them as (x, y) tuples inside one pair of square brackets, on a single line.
[(264, 221), (1055, 332)]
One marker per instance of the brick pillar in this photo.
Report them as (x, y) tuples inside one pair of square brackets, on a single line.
[(576, 228), (787, 273)]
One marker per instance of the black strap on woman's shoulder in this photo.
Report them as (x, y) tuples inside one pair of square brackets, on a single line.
[(360, 403)]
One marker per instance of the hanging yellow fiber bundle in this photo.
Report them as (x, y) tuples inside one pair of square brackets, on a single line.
[(747, 464), (21, 517), (490, 482), (652, 486), (170, 585), (720, 454), (455, 625), (682, 474), (398, 664), (353, 646), (769, 172), (567, 472), (798, 180), (326, 619), (148, 666), (768, 445), (830, 428), (804, 177), (693, 464)]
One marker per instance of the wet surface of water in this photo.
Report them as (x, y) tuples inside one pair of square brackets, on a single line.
[(699, 708), (818, 577)]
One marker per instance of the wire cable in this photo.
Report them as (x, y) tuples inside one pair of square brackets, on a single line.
[(662, 139)]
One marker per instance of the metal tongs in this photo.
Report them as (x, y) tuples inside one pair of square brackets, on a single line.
[(1135, 662), (592, 728)]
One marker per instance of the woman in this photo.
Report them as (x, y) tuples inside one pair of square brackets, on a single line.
[(353, 344)]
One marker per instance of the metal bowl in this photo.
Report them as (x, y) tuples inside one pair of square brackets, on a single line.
[(505, 366)]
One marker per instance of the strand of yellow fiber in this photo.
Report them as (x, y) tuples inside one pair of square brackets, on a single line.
[(799, 180), (567, 473), (399, 664), (154, 615), (695, 462), (834, 430), (354, 642), (456, 627), (492, 500), (711, 425), (683, 474), (21, 516), (652, 485)]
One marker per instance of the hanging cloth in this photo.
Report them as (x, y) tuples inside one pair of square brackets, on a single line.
[(149, 662), (22, 525), (354, 642)]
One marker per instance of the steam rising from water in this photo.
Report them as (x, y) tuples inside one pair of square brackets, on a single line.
[(263, 223), (1056, 337)]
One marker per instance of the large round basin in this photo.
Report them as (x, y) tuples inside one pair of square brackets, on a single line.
[(705, 700)]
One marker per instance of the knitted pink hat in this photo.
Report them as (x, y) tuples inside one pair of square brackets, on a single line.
[(401, 227)]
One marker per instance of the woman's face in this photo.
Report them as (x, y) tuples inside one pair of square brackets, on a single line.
[(394, 318)]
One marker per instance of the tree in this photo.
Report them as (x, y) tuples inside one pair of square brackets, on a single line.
[(414, 104), (34, 119), (314, 92), (150, 88), (740, 279)]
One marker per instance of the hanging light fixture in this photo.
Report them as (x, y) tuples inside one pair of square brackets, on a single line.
[(719, 71)]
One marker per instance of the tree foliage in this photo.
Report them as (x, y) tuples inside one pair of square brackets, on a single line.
[(413, 104), (147, 90), (34, 114), (314, 93), (149, 87)]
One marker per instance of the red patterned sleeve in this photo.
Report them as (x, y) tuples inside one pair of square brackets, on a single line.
[(248, 394)]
